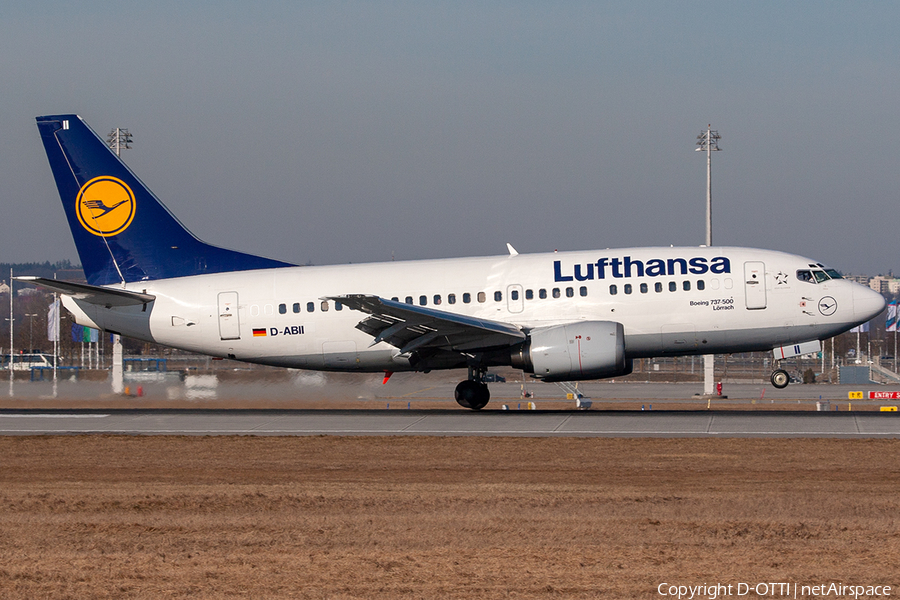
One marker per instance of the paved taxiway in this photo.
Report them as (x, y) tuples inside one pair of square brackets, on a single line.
[(453, 423)]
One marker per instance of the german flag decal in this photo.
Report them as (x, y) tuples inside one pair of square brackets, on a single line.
[(259, 332)]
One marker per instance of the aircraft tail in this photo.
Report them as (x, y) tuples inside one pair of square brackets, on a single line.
[(123, 233)]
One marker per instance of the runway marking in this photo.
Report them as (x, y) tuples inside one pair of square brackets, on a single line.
[(416, 422), (417, 392), (564, 421), (61, 416), (486, 432)]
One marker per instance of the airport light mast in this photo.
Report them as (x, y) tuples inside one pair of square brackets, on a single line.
[(708, 141), (118, 139), (9, 364)]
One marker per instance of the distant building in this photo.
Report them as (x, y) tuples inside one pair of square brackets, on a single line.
[(860, 279), (4, 289), (29, 291), (885, 285)]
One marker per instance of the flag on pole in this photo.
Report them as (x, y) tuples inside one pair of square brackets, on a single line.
[(53, 321), (85, 334), (891, 324), (864, 328)]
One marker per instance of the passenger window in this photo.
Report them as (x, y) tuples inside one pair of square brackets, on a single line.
[(408, 300), (658, 287), (514, 294), (556, 292), (542, 294), (338, 306), (324, 305), (700, 285), (686, 286), (296, 307), (570, 292), (498, 296), (467, 298), (451, 298), (423, 300), (282, 309), (673, 286), (613, 290), (728, 283), (437, 299), (627, 288), (395, 299), (713, 284), (310, 307), (529, 294), (643, 288), (583, 290), (481, 297)]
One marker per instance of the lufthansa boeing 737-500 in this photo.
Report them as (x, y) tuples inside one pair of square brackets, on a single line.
[(560, 316)]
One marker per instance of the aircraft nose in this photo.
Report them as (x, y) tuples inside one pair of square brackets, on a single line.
[(867, 303)]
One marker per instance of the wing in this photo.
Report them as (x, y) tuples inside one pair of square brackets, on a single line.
[(409, 327), (92, 294)]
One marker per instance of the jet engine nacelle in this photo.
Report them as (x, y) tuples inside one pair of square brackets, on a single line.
[(583, 350)]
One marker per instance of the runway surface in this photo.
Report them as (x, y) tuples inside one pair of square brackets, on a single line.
[(667, 424)]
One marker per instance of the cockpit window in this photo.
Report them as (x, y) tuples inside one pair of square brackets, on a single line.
[(817, 276), (805, 276)]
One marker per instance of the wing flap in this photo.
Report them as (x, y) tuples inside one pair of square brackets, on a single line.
[(92, 294), (409, 327)]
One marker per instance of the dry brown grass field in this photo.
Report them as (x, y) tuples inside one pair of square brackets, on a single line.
[(381, 517)]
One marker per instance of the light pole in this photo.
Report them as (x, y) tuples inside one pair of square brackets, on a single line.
[(119, 139), (708, 141), (31, 317), (11, 339)]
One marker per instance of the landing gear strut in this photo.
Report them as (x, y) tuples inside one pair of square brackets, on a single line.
[(473, 392), (780, 378)]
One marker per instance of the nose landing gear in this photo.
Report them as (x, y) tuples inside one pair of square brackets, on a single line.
[(473, 392)]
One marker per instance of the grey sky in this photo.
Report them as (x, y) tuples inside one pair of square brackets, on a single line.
[(342, 132)]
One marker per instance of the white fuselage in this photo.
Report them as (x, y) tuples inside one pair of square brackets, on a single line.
[(671, 301)]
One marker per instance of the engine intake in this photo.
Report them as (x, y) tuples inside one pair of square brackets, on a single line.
[(574, 351)]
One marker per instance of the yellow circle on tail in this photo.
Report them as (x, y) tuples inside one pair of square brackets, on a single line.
[(105, 206)]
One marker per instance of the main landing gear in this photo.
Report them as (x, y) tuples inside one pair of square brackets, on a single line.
[(780, 378), (473, 392)]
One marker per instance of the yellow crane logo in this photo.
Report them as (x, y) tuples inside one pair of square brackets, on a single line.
[(105, 206)]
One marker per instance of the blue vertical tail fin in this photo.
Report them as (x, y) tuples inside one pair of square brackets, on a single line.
[(123, 233)]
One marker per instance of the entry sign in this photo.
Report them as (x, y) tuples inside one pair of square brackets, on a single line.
[(855, 395), (884, 395)]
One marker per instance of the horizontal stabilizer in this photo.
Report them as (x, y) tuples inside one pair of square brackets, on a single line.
[(92, 294)]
